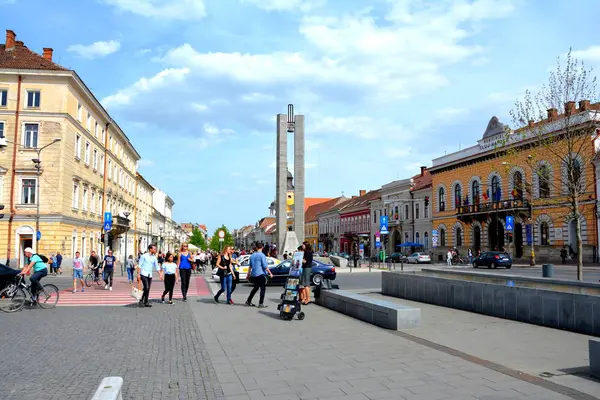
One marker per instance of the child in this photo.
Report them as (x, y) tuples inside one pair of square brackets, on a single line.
[(170, 275)]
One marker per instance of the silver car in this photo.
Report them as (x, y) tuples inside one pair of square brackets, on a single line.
[(418, 258)]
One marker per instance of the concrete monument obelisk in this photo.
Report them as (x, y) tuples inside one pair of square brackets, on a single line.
[(288, 239)]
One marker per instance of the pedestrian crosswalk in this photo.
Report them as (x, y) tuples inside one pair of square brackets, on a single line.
[(121, 293)]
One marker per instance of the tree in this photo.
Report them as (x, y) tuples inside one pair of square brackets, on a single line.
[(214, 242), (569, 139), (197, 239)]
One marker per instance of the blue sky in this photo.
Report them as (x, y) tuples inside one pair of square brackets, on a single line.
[(386, 85)]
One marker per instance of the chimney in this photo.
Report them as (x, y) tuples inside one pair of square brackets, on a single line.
[(552, 114), (570, 108), (531, 123), (584, 105), (354, 197), (362, 192), (48, 53), (10, 39), (423, 170), (19, 43)]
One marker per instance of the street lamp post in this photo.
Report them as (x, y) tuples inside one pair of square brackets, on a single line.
[(38, 165), (160, 238), (126, 214), (148, 233)]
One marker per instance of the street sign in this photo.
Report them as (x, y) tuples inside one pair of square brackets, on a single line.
[(38, 235), (510, 223), (361, 250), (108, 225), (107, 221), (221, 235), (377, 240), (434, 239), (221, 240), (434, 232), (383, 225)]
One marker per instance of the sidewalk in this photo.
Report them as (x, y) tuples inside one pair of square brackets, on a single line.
[(330, 356)]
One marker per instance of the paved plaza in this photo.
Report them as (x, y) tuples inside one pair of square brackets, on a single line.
[(203, 350)]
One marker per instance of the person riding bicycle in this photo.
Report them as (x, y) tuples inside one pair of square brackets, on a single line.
[(40, 270)]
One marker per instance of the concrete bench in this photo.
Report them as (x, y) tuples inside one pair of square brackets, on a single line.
[(374, 311), (595, 358), (109, 389)]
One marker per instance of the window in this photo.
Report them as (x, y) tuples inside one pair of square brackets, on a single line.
[(425, 211), (84, 203), (417, 214), (544, 181), (109, 169), (28, 191), (441, 194), (459, 237), (417, 238), (545, 234), (517, 192), (103, 135), (79, 112), (95, 159), (475, 192), (110, 142), (89, 122), (87, 153), (3, 97), (457, 195), (74, 244), (406, 211), (78, 147), (443, 237), (426, 240), (99, 202), (496, 192), (33, 98), (1, 129), (30, 139), (96, 130), (93, 203), (575, 177), (101, 164), (75, 195)]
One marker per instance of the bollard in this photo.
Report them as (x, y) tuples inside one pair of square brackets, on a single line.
[(401, 265), (548, 270)]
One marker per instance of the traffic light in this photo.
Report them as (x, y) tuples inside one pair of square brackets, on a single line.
[(426, 201), (1, 208), (102, 238)]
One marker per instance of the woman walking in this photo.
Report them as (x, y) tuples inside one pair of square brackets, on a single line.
[(170, 276), (226, 274), (130, 268), (306, 273), (184, 263)]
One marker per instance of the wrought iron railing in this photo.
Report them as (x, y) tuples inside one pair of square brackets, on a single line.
[(501, 205)]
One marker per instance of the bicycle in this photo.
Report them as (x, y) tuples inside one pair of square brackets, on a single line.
[(15, 295), (91, 278)]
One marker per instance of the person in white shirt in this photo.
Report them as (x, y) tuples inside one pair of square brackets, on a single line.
[(170, 276), (78, 267), (449, 258), (148, 263)]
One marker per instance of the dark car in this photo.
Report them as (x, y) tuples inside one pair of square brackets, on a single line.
[(396, 258), (320, 271), (493, 259)]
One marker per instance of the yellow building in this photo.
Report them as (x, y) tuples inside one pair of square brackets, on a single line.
[(311, 218), (475, 189), (89, 166)]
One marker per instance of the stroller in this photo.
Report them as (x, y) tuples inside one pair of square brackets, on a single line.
[(7, 276)]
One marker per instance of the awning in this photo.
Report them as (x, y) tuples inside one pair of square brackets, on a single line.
[(409, 244)]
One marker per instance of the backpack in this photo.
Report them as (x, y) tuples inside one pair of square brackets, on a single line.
[(43, 257)]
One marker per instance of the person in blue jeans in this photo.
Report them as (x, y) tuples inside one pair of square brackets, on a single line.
[(130, 268), (259, 269), (226, 273), (40, 270), (184, 263)]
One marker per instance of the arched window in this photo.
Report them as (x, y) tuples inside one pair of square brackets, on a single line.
[(426, 240), (576, 173), (441, 194), (544, 234), (475, 192), (517, 186), (459, 237), (442, 237), (417, 238), (496, 193), (544, 181), (457, 195)]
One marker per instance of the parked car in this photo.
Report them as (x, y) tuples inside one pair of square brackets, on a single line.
[(396, 258), (418, 258), (493, 259), (244, 266), (320, 271)]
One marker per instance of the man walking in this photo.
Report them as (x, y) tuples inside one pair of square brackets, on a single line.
[(259, 271), (109, 269), (148, 262), (78, 265), (94, 265)]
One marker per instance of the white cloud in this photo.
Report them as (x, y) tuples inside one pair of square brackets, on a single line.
[(96, 49), (199, 107), (257, 97), (145, 163), (451, 112), (592, 53), (183, 10), (287, 5)]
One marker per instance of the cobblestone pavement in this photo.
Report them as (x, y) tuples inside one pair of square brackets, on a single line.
[(64, 353), (330, 356)]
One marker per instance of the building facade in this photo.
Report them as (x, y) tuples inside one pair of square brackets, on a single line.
[(311, 227), (394, 202), (475, 189), (355, 225)]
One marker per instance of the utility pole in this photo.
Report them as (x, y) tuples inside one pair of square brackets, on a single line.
[(126, 214), (38, 166)]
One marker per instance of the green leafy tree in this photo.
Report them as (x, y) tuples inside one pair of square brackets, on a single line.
[(197, 239), (214, 242)]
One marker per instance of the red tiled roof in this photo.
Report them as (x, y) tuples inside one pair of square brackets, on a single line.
[(203, 227), (311, 201), (421, 181), (361, 201), (20, 57), (312, 212), (265, 222)]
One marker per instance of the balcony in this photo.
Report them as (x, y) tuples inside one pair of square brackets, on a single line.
[(492, 207)]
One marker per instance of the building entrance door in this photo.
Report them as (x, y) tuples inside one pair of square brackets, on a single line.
[(25, 241), (518, 240), (496, 235), (477, 239)]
